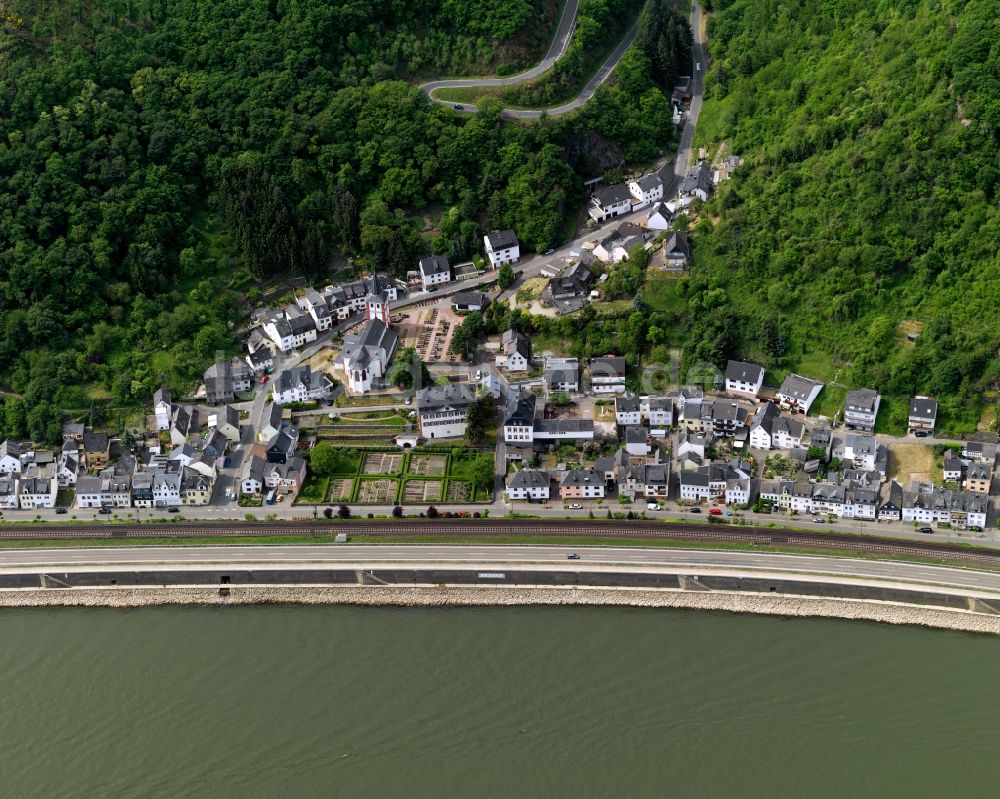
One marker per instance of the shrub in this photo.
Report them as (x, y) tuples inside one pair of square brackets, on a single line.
[(344, 512)]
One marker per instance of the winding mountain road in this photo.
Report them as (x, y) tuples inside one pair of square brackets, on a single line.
[(563, 37)]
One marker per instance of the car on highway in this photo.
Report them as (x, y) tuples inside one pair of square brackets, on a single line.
[(61, 509), (459, 107), (652, 505), (572, 556), (926, 530), (695, 510), (575, 506), (818, 520)]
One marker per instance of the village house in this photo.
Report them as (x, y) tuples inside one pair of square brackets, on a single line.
[(528, 484), (290, 328), (260, 360), (287, 477), (610, 201), (68, 466), (300, 384), (443, 410), (227, 421), (8, 494), (615, 248), (922, 417), (979, 452), (37, 492), (162, 409), (314, 304), (890, 507), (96, 450), (252, 475), (166, 485), (271, 422), (196, 488), (660, 217), (697, 184), (607, 374), (562, 374), (646, 190), (953, 467), (860, 409), (519, 420), (582, 484), (502, 247), (978, 478), (628, 411), (568, 291), (797, 393), (10, 458), (744, 379), (469, 301), (659, 412), (677, 251), (772, 430), (180, 426), (366, 355), (637, 441), (225, 379), (434, 271), (515, 349)]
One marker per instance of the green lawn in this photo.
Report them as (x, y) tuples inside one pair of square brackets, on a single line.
[(663, 291), (314, 489), (347, 462)]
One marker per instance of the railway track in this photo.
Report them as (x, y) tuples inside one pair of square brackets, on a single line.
[(491, 528)]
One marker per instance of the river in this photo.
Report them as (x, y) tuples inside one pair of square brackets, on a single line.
[(489, 702)]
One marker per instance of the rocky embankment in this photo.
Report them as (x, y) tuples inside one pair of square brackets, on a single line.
[(733, 602)]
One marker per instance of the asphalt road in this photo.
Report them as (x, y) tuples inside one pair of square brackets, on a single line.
[(564, 34), (496, 557)]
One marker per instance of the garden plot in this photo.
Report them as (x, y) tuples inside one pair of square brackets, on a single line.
[(383, 463), (422, 491), (428, 465), (459, 491), (374, 492), (340, 490)]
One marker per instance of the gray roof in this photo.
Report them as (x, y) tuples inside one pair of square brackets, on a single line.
[(636, 434), (744, 372), (470, 298), (626, 404), (529, 478), (583, 477), (512, 342), (612, 195), (797, 387), (435, 399), (11, 448), (862, 399), (253, 468), (698, 177), (161, 395), (923, 408), (375, 340), (434, 265), (648, 182), (520, 411), (662, 209), (96, 442), (562, 370), (608, 366), (502, 239), (564, 425)]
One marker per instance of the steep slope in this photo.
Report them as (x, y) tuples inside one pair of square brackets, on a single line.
[(865, 215)]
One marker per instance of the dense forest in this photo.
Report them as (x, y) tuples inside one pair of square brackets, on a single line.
[(158, 157), (859, 241)]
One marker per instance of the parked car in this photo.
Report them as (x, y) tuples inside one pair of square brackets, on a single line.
[(575, 506), (105, 511), (173, 510), (264, 378), (818, 520), (926, 530), (549, 252), (715, 511), (61, 509), (459, 107), (653, 505), (479, 374), (695, 510)]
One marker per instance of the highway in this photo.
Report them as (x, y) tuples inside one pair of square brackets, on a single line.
[(591, 559), (562, 39)]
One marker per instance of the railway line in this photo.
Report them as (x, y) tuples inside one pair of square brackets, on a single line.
[(487, 529)]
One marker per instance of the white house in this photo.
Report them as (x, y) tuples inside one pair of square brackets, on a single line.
[(290, 328), (645, 190), (637, 440), (528, 484), (659, 217), (614, 249), (611, 201), (628, 411), (162, 409), (367, 354), (698, 183), (860, 409), (562, 374), (313, 303), (167, 486), (515, 351), (92, 492), (252, 475), (502, 247), (798, 393), (519, 420), (443, 410), (744, 379), (772, 430), (37, 492), (960, 509), (659, 411), (10, 458), (8, 493), (434, 271), (300, 384)]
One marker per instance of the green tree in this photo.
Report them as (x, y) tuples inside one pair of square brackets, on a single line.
[(505, 277)]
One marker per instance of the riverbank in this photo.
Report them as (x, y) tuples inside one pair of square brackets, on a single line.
[(445, 596)]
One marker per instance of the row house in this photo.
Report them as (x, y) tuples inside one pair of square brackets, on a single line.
[(771, 430), (582, 484), (290, 328), (528, 484), (961, 509)]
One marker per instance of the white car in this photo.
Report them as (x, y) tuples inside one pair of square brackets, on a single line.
[(575, 506), (653, 506), (698, 67), (479, 374)]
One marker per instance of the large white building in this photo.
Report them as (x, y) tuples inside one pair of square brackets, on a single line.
[(645, 190), (434, 271), (443, 410), (300, 384), (528, 484), (744, 379)]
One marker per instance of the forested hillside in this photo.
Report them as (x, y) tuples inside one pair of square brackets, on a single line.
[(156, 156), (860, 239)]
